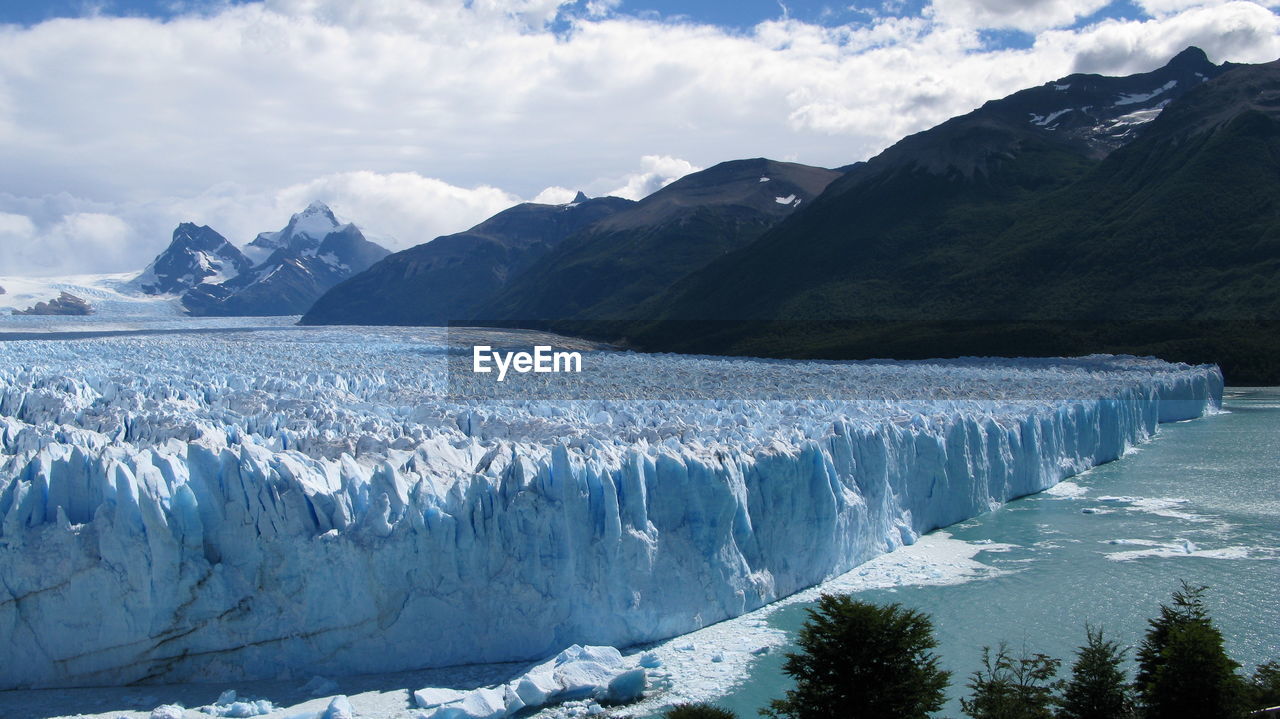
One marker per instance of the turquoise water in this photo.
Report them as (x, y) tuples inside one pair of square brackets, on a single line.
[(1201, 502)]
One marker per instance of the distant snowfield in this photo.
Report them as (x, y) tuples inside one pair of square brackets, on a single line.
[(117, 307), (260, 508), (110, 295)]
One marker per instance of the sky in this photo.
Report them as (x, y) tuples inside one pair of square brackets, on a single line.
[(416, 118)]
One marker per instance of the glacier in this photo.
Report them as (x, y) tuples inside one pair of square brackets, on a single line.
[(295, 502)]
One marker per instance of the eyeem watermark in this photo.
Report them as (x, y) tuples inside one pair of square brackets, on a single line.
[(542, 359)]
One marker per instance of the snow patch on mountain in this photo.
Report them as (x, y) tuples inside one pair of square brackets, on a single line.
[(1044, 120), (1135, 98)]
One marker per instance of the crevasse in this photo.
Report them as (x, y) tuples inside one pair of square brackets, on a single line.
[(160, 524)]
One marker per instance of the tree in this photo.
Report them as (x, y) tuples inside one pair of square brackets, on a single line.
[(1183, 668), (1264, 686), (698, 711), (1097, 688), (1011, 688), (863, 661)]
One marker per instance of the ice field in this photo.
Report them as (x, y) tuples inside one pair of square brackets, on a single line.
[(287, 503)]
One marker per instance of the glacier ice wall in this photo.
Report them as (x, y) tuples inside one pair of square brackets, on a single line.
[(297, 503)]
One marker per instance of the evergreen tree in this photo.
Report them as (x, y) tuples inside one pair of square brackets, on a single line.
[(862, 661), (1183, 668), (1264, 687), (1097, 688), (698, 711), (1011, 687)]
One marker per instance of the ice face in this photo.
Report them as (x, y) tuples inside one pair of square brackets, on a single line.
[(292, 503)]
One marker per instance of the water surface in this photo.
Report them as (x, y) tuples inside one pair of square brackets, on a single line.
[(1201, 503)]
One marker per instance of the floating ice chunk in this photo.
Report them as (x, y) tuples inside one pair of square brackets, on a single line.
[(230, 704), (626, 687), (578, 673), (583, 671), (431, 698), (484, 703), (339, 708), (536, 687), (785, 200), (320, 686), (168, 711), (1066, 490)]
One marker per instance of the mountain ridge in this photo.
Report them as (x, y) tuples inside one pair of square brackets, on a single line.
[(1161, 246), (295, 266)]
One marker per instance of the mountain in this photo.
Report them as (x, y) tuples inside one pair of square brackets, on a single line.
[(539, 265), (609, 268), (294, 266), (447, 278), (304, 233), (990, 234), (293, 277), (196, 255)]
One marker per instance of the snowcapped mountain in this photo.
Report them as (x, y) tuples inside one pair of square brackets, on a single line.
[(305, 231), (196, 255), (296, 273), (279, 273)]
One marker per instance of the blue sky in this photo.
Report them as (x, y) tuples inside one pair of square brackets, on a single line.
[(417, 118), (735, 14)]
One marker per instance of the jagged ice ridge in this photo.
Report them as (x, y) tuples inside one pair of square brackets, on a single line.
[(288, 503)]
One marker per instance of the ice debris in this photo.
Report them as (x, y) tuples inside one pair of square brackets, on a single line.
[(577, 673)]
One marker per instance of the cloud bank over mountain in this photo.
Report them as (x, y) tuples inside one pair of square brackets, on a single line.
[(417, 118)]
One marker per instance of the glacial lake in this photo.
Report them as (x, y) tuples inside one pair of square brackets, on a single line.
[(1201, 502)]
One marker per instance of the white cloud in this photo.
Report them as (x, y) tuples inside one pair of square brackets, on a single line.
[(1026, 15), (656, 172), (416, 118), (1235, 31), (403, 208), (1158, 8), (75, 243), (555, 196)]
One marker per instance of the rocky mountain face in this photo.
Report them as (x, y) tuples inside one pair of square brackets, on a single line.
[(538, 265), (294, 266), (610, 269), (64, 304), (1005, 232), (448, 278), (196, 255)]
